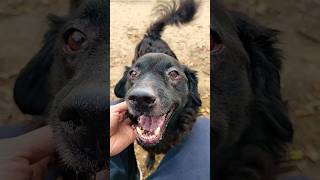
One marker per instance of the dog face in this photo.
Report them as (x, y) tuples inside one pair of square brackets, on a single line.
[(157, 87), (67, 84), (246, 69), (231, 89), (250, 124)]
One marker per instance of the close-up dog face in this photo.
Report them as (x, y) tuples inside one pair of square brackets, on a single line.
[(127, 89), (66, 84), (157, 87), (246, 72), (231, 88), (160, 89), (245, 89)]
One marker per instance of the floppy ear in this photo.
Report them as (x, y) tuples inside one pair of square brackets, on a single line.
[(193, 86), (264, 66), (120, 89), (31, 90)]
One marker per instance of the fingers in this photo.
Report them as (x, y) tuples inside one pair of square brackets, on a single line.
[(122, 116), (36, 145), (40, 168), (117, 115), (121, 107), (128, 131), (121, 139), (128, 122)]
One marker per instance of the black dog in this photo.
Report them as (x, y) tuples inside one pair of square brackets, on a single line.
[(66, 83), (250, 125), (161, 93)]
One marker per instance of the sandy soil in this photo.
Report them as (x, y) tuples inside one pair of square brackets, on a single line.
[(22, 24)]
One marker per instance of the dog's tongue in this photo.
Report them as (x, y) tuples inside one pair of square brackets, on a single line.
[(151, 123)]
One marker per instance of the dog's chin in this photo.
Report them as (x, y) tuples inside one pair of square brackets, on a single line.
[(74, 155), (150, 129)]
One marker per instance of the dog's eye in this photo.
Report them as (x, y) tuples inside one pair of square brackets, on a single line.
[(133, 74), (216, 44), (75, 40), (174, 74)]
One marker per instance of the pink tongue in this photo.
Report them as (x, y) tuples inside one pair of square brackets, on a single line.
[(150, 123)]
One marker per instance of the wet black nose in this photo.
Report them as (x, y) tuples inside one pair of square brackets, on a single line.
[(142, 97), (85, 110)]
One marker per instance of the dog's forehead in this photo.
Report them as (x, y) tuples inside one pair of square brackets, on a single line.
[(223, 24), (156, 60), (93, 10)]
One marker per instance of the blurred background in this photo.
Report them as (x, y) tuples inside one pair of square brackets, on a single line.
[(299, 22), (23, 22), (22, 25)]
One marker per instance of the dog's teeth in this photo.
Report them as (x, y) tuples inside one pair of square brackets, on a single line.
[(157, 131), (140, 131)]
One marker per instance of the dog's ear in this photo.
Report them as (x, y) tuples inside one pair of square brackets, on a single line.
[(31, 90), (193, 86), (264, 71), (120, 89)]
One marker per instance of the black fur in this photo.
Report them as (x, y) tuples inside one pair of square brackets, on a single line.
[(187, 100), (69, 90), (250, 124), (171, 14), (153, 50), (36, 72)]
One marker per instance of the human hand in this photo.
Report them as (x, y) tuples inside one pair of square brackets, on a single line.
[(26, 156), (121, 133)]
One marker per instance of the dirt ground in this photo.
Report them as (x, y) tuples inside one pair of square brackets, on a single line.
[(22, 24)]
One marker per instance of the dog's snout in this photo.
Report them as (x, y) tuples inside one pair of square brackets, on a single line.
[(85, 106), (71, 114), (142, 97)]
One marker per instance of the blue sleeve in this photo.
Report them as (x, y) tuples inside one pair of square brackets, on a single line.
[(124, 166)]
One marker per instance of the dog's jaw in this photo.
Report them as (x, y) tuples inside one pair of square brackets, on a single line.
[(151, 129)]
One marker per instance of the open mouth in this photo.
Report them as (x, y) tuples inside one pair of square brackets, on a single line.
[(150, 129)]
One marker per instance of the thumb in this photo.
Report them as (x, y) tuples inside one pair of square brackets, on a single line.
[(40, 168), (128, 132), (121, 139), (121, 107)]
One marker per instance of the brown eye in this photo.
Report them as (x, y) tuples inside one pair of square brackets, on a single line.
[(174, 74), (75, 40), (216, 44), (133, 74)]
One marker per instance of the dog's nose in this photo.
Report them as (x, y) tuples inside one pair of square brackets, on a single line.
[(142, 97), (83, 113), (85, 106)]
